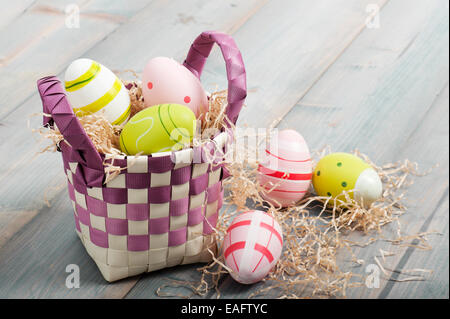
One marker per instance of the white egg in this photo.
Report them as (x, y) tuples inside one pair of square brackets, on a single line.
[(93, 88), (368, 187)]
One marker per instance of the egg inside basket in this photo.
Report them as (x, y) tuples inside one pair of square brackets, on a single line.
[(106, 136)]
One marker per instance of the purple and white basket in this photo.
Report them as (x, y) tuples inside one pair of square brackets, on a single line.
[(160, 211)]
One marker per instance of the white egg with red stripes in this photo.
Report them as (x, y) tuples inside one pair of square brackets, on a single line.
[(93, 88), (252, 246), (286, 170)]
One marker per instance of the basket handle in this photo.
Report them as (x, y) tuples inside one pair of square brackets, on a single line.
[(58, 110), (237, 85)]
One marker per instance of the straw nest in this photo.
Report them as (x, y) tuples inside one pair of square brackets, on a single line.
[(316, 230)]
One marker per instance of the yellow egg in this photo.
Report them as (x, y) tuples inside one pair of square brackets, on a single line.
[(342, 171), (159, 128)]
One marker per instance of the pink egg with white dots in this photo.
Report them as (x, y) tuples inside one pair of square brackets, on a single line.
[(252, 246), (286, 171), (164, 80)]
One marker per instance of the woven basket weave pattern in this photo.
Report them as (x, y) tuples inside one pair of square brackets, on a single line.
[(161, 210), (144, 220)]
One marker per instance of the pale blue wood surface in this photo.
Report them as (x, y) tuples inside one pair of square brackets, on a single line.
[(312, 65)]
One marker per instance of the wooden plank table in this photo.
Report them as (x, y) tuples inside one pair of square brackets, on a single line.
[(366, 74)]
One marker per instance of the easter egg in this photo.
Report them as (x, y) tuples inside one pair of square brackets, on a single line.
[(164, 80), (343, 171), (252, 246), (93, 88), (160, 128), (286, 171)]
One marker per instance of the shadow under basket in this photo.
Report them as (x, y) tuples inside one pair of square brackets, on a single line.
[(161, 210)]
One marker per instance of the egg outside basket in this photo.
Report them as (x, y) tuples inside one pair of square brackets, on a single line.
[(161, 209)]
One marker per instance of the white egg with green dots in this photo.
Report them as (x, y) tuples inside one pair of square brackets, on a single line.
[(92, 88), (338, 172)]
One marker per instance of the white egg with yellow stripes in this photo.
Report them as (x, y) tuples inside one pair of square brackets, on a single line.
[(93, 88)]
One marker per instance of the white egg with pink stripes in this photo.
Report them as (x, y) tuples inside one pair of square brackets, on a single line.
[(252, 246), (286, 171)]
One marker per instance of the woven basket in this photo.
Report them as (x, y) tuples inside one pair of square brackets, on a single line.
[(161, 209)]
